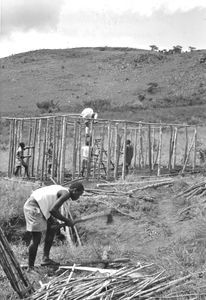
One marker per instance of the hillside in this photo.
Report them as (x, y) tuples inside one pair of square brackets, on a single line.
[(121, 82)]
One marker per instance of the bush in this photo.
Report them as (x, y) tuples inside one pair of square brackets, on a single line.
[(48, 106)]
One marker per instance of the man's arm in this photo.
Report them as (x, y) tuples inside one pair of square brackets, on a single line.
[(62, 197)]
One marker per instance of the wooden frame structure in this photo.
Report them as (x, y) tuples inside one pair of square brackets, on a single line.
[(158, 148)]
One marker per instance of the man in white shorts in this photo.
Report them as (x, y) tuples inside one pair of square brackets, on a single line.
[(40, 210)]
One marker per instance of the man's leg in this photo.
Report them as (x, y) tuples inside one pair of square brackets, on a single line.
[(50, 233), (26, 167), (17, 170), (36, 238)]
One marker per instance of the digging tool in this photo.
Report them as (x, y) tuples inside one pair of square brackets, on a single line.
[(107, 214)]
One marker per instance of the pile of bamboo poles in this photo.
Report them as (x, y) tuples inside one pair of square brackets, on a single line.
[(198, 189), (12, 269), (132, 282)]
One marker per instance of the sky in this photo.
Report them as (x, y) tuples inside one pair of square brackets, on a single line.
[(27, 25)]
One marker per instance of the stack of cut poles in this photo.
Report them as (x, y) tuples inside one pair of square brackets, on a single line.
[(12, 269), (198, 189), (129, 282)]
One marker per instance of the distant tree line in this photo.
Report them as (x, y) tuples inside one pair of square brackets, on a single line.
[(174, 50)]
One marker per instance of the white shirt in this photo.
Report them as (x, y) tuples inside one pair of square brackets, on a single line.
[(46, 197), (87, 113), (85, 152)]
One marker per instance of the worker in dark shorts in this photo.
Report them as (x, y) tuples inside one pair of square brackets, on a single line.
[(41, 210), (20, 159)]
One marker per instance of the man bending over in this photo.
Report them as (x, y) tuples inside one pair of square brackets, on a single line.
[(40, 210)]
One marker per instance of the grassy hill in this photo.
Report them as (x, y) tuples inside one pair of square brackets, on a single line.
[(118, 82)]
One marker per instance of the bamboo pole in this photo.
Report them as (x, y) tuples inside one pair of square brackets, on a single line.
[(116, 158), (124, 151), (18, 132), (152, 147), (159, 151), (93, 154), (47, 146), (43, 154), (38, 147), (11, 125), (100, 157), (15, 145), (188, 153), (108, 150), (74, 150), (186, 143), (175, 148), (28, 161), (149, 148), (59, 150), (63, 148), (140, 145), (90, 152), (53, 167), (135, 148), (195, 150), (79, 149), (170, 148), (33, 149), (21, 129)]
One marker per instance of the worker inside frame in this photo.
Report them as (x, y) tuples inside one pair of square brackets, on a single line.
[(88, 115), (20, 159), (85, 158), (42, 211), (49, 158), (129, 155)]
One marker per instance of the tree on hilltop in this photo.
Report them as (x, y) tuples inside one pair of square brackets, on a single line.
[(191, 48), (154, 48), (177, 49)]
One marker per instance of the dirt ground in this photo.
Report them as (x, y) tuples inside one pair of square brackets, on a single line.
[(148, 227)]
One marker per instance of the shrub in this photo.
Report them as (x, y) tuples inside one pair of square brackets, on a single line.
[(48, 106)]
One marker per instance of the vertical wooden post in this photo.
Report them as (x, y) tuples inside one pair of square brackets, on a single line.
[(28, 160), (38, 147), (74, 157), (43, 154), (188, 153), (135, 148), (18, 131), (109, 150), (152, 147), (195, 149), (21, 130), (11, 140), (159, 151), (124, 151), (59, 149), (174, 149), (117, 150), (33, 149), (90, 152), (79, 149), (15, 144), (186, 143), (170, 149), (149, 148), (46, 147), (53, 167), (100, 158), (63, 147), (141, 157)]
